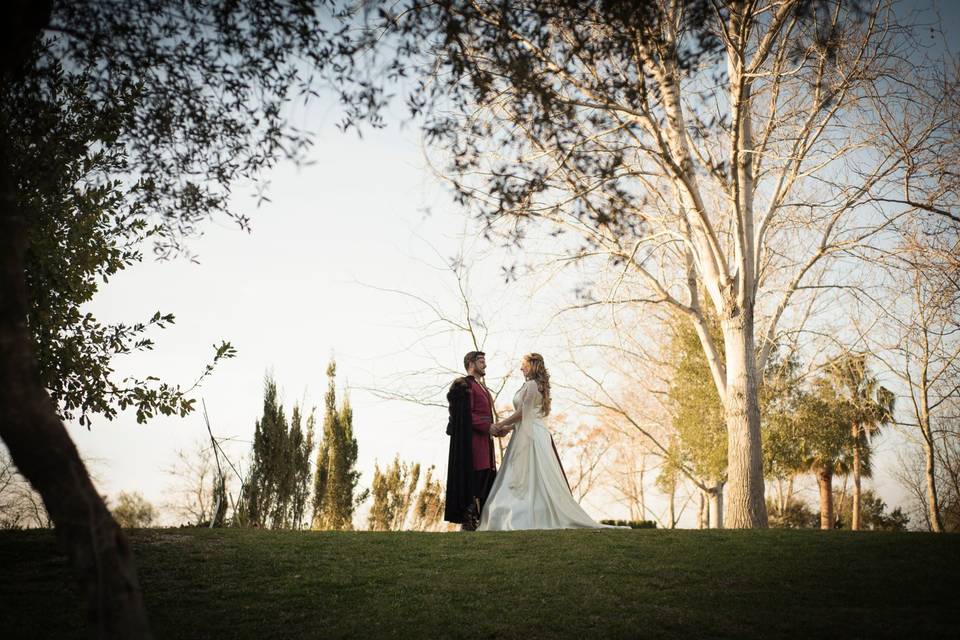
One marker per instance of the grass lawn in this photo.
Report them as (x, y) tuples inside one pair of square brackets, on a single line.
[(539, 584)]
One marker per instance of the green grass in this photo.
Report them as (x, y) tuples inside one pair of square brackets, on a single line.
[(537, 584)]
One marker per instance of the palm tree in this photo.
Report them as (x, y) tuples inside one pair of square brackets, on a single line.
[(870, 409), (827, 451)]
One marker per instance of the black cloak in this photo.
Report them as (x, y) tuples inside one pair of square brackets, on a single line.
[(460, 476)]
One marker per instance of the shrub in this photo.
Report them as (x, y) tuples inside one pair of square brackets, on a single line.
[(633, 524)]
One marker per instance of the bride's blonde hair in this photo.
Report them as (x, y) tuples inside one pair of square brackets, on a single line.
[(538, 372)]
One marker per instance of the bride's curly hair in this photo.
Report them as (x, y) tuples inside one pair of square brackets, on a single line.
[(538, 372)]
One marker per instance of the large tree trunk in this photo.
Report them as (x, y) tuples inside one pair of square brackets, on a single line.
[(36, 438), (46, 456), (855, 518), (825, 483), (745, 501), (702, 512), (715, 507)]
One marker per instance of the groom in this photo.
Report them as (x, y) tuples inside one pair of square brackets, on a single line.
[(470, 465)]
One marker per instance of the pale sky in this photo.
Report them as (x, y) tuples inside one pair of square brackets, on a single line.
[(289, 294), (294, 291)]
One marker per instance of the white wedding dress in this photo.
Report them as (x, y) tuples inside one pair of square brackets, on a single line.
[(529, 491)]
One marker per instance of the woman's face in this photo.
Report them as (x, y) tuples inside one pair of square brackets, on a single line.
[(525, 367)]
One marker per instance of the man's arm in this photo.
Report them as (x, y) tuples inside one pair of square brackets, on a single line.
[(481, 427)]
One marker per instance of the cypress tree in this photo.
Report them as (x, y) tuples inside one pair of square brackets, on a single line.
[(276, 489), (258, 494), (301, 446), (335, 485)]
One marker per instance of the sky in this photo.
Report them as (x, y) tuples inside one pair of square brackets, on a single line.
[(307, 285)]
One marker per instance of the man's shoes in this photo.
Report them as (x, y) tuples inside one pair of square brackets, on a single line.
[(471, 519)]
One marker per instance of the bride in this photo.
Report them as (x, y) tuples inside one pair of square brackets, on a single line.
[(530, 490)]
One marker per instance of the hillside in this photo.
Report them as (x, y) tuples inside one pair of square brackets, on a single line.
[(544, 584)]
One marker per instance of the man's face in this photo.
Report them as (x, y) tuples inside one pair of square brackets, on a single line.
[(480, 366)]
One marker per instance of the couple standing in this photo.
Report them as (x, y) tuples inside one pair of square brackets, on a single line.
[(531, 490)]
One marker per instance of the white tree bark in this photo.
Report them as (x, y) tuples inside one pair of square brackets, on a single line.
[(746, 505), (744, 202)]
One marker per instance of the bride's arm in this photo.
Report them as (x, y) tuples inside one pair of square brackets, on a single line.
[(506, 424)]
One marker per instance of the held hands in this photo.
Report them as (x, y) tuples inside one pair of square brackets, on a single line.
[(498, 430)]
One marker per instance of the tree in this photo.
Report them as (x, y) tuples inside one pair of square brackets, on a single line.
[(398, 505), (674, 139), (698, 415), (949, 465), (825, 420), (629, 472), (873, 514), (210, 82), (194, 480), (263, 493), (784, 437), (276, 490), (924, 136), (302, 447), (335, 485), (871, 407), (921, 325), (467, 320), (392, 491), (630, 395), (919, 322), (792, 514), (584, 446), (668, 480), (81, 232), (133, 511), (20, 506), (428, 507), (913, 467)]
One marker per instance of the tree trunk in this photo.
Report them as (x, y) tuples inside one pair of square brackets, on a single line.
[(780, 497), (46, 456), (825, 483), (643, 496), (855, 507), (673, 510), (715, 507), (838, 505), (929, 457), (702, 516), (745, 503)]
